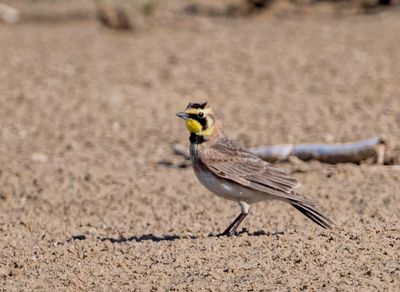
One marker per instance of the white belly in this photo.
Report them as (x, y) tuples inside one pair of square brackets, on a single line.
[(228, 189)]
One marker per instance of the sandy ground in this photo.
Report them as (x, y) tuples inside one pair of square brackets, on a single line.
[(88, 114)]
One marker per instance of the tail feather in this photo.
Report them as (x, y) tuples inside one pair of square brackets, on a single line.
[(310, 211)]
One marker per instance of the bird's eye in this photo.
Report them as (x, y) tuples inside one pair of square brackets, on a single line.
[(200, 115)]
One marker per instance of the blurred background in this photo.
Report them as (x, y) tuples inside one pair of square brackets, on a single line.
[(91, 194)]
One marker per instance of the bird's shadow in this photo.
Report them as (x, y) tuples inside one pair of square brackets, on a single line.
[(173, 237)]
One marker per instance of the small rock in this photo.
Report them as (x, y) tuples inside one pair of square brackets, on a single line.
[(39, 157)]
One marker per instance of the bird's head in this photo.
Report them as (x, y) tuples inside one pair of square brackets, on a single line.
[(199, 119)]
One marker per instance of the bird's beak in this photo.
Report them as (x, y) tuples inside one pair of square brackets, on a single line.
[(183, 115)]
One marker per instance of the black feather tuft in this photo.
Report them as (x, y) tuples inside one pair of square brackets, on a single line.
[(196, 105)]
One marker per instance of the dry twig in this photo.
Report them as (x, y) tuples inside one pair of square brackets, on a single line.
[(354, 152)]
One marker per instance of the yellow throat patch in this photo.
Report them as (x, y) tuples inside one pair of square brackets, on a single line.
[(193, 126)]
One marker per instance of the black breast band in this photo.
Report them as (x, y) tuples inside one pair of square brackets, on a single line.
[(196, 139)]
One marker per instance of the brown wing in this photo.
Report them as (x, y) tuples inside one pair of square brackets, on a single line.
[(229, 160)]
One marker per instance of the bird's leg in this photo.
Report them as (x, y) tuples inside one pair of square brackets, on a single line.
[(235, 224)]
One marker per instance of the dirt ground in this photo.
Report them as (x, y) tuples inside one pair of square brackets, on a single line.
[(87, 120)]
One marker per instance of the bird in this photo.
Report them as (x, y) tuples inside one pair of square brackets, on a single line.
[(232, 172)]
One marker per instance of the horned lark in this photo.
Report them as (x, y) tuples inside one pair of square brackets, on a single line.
[(232, 172)]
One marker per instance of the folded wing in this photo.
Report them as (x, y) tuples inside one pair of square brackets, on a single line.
[(229, 160)]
